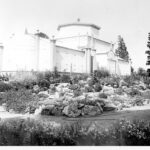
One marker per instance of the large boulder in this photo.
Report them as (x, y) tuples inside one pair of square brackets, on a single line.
[(109, 106), (43, 94), (52, 110), (72, 110), (108, 90), (91, 110)]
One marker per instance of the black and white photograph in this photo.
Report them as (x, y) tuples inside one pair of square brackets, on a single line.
[(75, 73)]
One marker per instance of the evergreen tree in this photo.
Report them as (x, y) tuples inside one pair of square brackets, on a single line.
[(121, 51), (148, 54)]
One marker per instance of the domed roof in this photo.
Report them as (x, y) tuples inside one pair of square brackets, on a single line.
[(78, 24)]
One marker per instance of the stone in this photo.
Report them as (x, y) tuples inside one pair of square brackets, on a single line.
[(11, 111), (109, 107), (47, 110), (92, 94), (47, 102), (146, 93), (36, 88), (43, 94), (91, 110), (82, 83), (79, 98), (72, 110), (142, 86), (122, 83), (52, 96), (62, 85), (39, 110), (108, 90)]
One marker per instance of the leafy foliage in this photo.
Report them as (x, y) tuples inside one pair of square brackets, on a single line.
[(121, 51), (5, 86), (19, 100), (33, 132), (101, 73)]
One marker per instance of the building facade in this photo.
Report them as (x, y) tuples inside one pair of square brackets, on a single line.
[(76, 48)]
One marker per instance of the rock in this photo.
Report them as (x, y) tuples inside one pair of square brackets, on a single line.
[(79, 98), (108, 90), (138, 101), (122, 83), (102, 95), (39, 110), (36, 88), (52, 110), (82, 83), (62, 85), (142, 86), (47, 110), (72, 110), (91, 110), (52, 96), (65, 102), (80, 105), (43, 94), (115, 86), (56, 94), (92, 94), (109, 107), (146, 93), (47, 102), (11, 111)]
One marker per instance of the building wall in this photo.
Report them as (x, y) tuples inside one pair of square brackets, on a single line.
[(68, 60), (19, 54), (44, 54), (124, 68), (1, 56), (101, 46), (76, 42), (77, 30), (101, 61)]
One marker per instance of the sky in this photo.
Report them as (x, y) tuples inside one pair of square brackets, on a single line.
[(128, 18)]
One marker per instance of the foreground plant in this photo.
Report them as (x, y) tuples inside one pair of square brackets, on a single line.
[(35, 132)]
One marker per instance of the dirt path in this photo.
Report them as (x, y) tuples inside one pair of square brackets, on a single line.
[(101, 121), (106, 119)]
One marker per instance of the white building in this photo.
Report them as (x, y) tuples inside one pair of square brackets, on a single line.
[(76, 48)]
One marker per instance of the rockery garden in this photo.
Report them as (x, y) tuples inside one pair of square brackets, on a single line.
[(76, 97)]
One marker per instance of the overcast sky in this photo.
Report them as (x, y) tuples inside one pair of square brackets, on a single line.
[(128, 18)]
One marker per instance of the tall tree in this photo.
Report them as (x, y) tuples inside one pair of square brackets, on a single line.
[(148, 54), (121, 51)]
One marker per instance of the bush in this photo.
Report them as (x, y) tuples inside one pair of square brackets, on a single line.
[(134, 92), (101, 73), (33, 132), (44, 83), (65, 78), (97, 87), (19, 100), (4, 77), (5, 87)]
